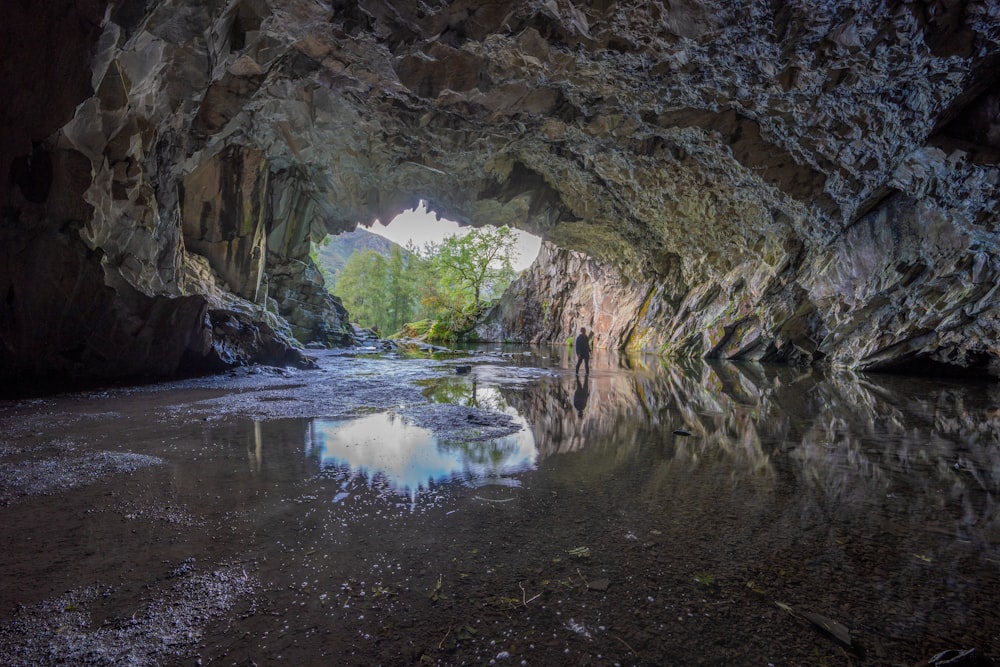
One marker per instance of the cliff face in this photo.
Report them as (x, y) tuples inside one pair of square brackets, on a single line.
[(901, 289), (766, 179)]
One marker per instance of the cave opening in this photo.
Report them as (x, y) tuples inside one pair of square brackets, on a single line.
[(419, 226), (421, 267), (749, 206)]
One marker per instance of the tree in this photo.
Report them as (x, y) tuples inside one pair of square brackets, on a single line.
[(476, 265), (361, 285), (399, 291), (447, 286)]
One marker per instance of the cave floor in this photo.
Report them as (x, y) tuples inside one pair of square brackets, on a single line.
[(389, 510)]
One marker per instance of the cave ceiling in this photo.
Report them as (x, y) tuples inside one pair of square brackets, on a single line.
[(676, 141), (630, 131)]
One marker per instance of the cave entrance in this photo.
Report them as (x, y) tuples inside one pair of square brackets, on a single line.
[(419, 226), (422, 275)]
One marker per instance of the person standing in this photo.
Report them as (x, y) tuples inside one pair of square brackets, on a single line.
[(583, 351)]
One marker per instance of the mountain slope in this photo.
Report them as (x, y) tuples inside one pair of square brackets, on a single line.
[(334, 254)]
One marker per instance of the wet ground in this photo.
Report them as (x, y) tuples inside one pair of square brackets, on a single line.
[(388, 510)]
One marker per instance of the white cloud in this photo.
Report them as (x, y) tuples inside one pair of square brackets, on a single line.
[(420, 227)]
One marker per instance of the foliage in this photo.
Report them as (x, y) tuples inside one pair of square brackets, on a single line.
[(361, 286), (445, 287), (333, 251), (376, 290), (417, 329), (477, 264), (441, 332)]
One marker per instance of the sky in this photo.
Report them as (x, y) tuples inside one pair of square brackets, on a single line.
[(421, 226)]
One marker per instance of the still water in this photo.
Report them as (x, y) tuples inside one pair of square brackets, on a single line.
[(391, 511)]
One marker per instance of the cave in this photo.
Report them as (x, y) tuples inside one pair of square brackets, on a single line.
[(814, 187), (754, 190)]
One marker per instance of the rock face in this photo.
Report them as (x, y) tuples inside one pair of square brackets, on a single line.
[(562, 291), (775, 180)]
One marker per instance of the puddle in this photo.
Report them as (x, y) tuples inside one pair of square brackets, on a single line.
[(389, 448), (392, 511)]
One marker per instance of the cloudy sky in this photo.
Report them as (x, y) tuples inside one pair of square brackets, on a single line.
[(420, 226)]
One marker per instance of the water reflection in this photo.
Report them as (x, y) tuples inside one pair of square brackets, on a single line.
[(841, 442), (581, 394), (869, 500), (386, 447)]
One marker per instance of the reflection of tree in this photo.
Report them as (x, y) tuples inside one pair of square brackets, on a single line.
[(465, 392), (489, 453)]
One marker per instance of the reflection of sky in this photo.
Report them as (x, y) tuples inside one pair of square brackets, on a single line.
[(410, 457)]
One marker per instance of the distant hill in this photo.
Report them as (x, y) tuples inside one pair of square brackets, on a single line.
[(333, 256)]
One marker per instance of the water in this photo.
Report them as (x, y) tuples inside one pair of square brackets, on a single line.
[(412, 460), (390, 511)]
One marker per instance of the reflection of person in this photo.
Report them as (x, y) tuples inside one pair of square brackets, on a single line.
[(583, 351), (581, 394)]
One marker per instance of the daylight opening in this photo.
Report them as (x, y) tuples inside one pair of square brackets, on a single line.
[(420, 227), (421, 276)]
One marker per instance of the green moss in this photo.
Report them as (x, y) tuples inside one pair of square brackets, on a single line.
[(705, 578), (440, 332), (416, 329)]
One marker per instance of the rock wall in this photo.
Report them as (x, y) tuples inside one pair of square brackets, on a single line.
[(778, 180), (900, 290), (562, 291)]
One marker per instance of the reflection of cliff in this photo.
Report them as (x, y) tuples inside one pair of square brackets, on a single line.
[(642, 406), (911, 448), (846, 441), (255, 456)]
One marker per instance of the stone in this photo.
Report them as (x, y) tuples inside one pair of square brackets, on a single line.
[(960, 658), (599, 585), (754, 180)]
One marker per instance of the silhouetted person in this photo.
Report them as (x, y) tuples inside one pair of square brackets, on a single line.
[(581, 394), (583, 351)]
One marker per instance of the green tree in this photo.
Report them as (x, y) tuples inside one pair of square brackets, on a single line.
[(361, 285), (399, 290), (446, 284), (475, 266)]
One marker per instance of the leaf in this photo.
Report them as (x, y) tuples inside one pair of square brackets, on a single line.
[(836, 630), (705, 578), (436, 593), (830, 626)]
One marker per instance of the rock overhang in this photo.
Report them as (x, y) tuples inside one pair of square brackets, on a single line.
[(734, 145)]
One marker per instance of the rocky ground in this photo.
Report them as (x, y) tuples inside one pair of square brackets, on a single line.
[(48, 449), (197, 522)]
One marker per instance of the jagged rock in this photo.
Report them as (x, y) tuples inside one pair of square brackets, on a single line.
[(757, 180), (562, 291), (960, 658)]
